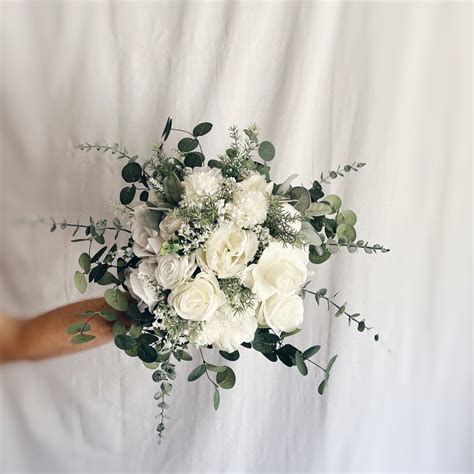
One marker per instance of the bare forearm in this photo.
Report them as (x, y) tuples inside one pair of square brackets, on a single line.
[(46, 336)]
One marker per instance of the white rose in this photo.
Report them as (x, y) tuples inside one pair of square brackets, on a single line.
[(140, 282), (282, 313), (248, 208), (201, 182), (198, 299), (172, 269), (227, 329), (228, 250), (256, 183), (169, 226), (289, 209), (146, 242), (281, 270)]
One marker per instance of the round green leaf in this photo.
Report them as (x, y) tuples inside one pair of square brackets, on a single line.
[(315, 257), (85, 262), (334, 201), (127, 195), (194, 159), (80, 282), (80, 326), (116, 299), (187, 144), (346, 217), (302, 198), (147, 353), (108, 314), (173, 188), (266, 151), (125, 342), (202, 129), (214, 164), (232, 356), (132, 172), (300, 363), (226, 379), (346, 231), (82, 338)]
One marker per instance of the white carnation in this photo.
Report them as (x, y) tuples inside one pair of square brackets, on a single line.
[(172, 269), (201, 182), (248, 208), (282, 313), (227, 329)]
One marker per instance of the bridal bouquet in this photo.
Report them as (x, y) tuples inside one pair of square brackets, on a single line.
[(215, 257)]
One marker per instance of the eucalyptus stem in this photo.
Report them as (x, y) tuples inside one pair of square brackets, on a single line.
[(207, 373), (189, 133)]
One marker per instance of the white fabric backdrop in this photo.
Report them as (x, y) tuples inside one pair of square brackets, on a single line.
[(329, 83)]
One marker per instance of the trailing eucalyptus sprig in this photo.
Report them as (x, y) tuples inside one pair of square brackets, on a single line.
[(333, 174)]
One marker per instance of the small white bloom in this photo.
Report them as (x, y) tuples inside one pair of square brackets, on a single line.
[(248, 208), (227, 329), (289, 209), (172, 269), (281, 270), (140, 282), (282, 313), (201, 182), (169, 226), (228, 250), (198, 299), (256, 183)]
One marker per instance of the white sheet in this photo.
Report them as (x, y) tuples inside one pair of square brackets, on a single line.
[(329, 83)]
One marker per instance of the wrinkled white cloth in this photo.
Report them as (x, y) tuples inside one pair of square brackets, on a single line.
[(328, 83)]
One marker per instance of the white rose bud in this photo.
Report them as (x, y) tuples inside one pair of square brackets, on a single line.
[(169, 226), (282, 313), (198, 299), (228, 250), (281, 270), (172, 269)]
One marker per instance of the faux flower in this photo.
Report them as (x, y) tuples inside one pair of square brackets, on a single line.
[(227, 329), (146, 242), (173, 269), (201, 182), (142, 286), (248, 208), (228, 250), (281, 270), (169, 226), (255, 182), (281, 313), (198, 299)]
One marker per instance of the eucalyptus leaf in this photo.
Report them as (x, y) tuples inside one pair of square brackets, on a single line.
[(199, 371), (310, 352), (82, 338), (173, 188), (302, 198), (127, 195), (217, 398), (194, 159), (125, 342), (300, 363), (80, 326), (346, 217), (317, 209), (202, 129), (347, 232), (187, 144), (116, 299), (309, 235), (334, 201), (108, 315), (85, 262), (226, 379), (232, 356), (80, 281), (266, 151), (132, 172)]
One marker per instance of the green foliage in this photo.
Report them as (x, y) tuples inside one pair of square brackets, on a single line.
[(187, 144), (226, 379), (266, 151), (202, 129), (85, 262), (199, 371), (127, 194), (194, 159), (132, 172), (232, 356), (167, 129), (82, 338), (80, 326), (116, 299), (346, 232), (302, 199), (173, 188), (80, 282), (125, 342)]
